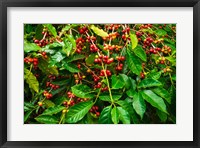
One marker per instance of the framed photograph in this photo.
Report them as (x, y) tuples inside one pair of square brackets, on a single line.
[(99, 74)]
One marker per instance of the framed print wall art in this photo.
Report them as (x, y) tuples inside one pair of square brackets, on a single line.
[(99, 74)]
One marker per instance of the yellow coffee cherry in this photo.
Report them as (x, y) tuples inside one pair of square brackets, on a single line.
[(64, 111)]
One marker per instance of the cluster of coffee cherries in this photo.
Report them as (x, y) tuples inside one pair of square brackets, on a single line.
[(157, 41), (69, 103), (111, 36), (83, 29), (78, 78), (44, 54), (73, 99), (70, 95), (112, 26), (160, 60), (29, 60), (42, 42), (79, 44), (91, 38), (53, 86), (107, 72), (125, 35), (153, 50), (126, 30), (47, 94), (166, 49), (143, 26), (111, 47), (102, 58), (167, 69), (139, 34), (99, 84), (96, 78), (52, 77), (147, 42), (104, 89), (93, 48), (120, 65), (95, 110)]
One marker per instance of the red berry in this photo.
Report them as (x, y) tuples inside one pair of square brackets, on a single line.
[(36, 41), (35, 60), (122, 58), (142, 75), (30, 60)]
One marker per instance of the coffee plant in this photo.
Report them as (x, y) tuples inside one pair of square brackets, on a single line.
[(99, 73)]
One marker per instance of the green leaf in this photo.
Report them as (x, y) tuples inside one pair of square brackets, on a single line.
[(115, 115), (134, 40), (147, 30), (133, 83), (44, 67), (51, 29), (168, 28), (57, 57), (125, 80), (71, 67), (160, 32), (128, 107), (31, 80), (117, 82), (66, 28), (82, 91), (54, 92), (154, 100), (78, 111), (90, 59), (155, 74), (61, 82), (139, 52), (53, 110), (27, 115), (47, 119), (48, 103), (172, 60), (72, 40), (162, 116), (106, 97), (67, 48), (54, 45), (124, 116), (174, 77), (162, 93), (134, 63), (28, 28), (169, 41), (28, 47), (131, 93), (29, 105), (105, 116), (38, 32), (75, 57), (60, 100), (148, 82), (139, 105), (98, 31)]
